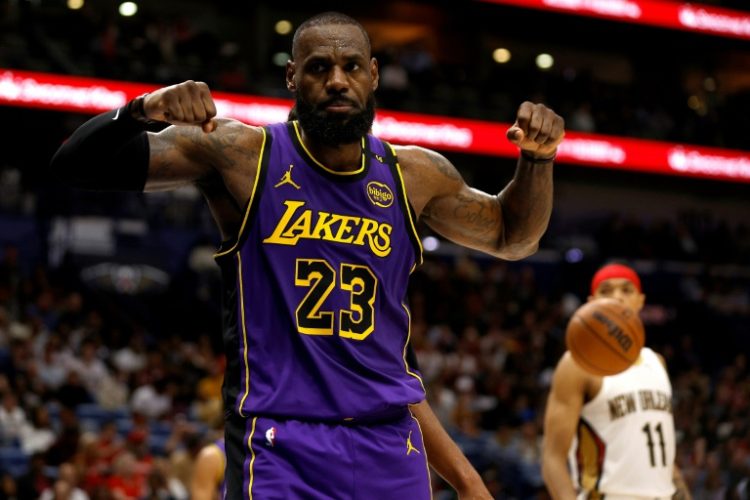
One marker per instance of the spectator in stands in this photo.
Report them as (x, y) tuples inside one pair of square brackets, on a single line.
[(89, 367), (66, 486), (37, 436), (12, 419)]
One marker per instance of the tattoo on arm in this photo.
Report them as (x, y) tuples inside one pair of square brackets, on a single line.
[(188, 154), (162, 161), (444, 166), (475, 214)]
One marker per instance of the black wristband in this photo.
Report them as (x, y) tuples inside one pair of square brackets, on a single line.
[(136, 110), (532, 159)]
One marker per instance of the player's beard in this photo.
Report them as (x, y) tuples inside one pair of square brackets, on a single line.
[(333, 129)]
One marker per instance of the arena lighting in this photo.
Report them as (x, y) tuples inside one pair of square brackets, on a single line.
[(544, 61), (128, 9), (430, 243), (283, 27), (501, 55), (89, 95), (75, 4), (664, 14), (280, 58)]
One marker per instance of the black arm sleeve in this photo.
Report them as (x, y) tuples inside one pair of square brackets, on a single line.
[(109, 152)]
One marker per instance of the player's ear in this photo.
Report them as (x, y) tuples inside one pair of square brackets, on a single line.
[(640, 301), (290, 71), (374, 73)]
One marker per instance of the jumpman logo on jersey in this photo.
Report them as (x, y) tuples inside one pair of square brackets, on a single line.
[(287, 179), (410, 447)]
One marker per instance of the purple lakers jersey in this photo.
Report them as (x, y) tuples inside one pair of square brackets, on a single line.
[(316, 320)]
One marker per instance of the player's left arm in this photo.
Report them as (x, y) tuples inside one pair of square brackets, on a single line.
[(208, 472), (511, 223), (682, 491), (446, 458)]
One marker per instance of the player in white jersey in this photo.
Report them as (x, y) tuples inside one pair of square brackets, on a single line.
[(612, 437)]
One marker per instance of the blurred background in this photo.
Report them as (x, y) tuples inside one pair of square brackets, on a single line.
[(110, 330)]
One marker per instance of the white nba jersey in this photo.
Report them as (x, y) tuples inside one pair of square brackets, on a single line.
[(625, 442)]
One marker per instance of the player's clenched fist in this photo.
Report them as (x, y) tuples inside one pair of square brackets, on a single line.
[(187, 103), (538, 130)]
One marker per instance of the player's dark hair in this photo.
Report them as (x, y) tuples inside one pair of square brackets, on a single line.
[(325, 19)]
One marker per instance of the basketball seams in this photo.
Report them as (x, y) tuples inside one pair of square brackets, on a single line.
[(633, 330), (590, 354), (580, 359), (593, 331)]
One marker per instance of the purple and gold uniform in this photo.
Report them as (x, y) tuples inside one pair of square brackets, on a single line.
[(316, 330)]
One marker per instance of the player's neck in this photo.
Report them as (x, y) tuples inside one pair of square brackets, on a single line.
[(343, 158)]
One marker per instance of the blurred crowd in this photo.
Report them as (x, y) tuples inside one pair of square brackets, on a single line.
[(689, 105), (93, 407), (97, 404), (110, 396)]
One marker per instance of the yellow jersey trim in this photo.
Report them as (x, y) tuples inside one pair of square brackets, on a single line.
[(258, 174), (252, 460), (329, 170), (244, 335), (406, 344), (412, 223)]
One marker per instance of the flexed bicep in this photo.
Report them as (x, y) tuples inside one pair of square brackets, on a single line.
[(177, 156), (184, 155), (444, 201)]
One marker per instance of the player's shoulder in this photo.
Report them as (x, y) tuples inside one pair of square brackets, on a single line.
[(568, 371), (410, 155), (646, 351), (569, 379), (210, 453), (230, 128), (427, 166)]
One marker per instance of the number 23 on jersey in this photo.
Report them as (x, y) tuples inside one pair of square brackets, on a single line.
[(320, 277)]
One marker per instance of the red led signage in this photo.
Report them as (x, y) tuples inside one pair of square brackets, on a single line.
[(88, 95)]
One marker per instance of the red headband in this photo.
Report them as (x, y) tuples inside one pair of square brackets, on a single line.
[(614, 271)]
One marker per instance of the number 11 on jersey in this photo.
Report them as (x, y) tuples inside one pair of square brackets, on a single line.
[(650, 443)]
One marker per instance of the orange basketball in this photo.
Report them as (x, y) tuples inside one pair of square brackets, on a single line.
[(604, 337)]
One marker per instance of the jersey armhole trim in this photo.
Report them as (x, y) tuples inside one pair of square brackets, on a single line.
[(406, 208), (232, 245)]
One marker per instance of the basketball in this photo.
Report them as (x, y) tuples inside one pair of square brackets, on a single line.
[(604, 337)]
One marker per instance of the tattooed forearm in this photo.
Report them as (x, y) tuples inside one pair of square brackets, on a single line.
[(479, 214), (527, 206), (508, 225)]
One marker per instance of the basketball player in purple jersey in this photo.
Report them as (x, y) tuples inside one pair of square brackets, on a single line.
[(318, 219)]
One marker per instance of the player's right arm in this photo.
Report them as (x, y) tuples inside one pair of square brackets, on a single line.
[(564, 405), (208, 472), (113, 151)]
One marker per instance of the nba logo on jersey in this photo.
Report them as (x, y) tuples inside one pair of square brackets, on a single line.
[(271, 436)]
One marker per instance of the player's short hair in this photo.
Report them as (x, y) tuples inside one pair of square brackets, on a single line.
[(327, 18)]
